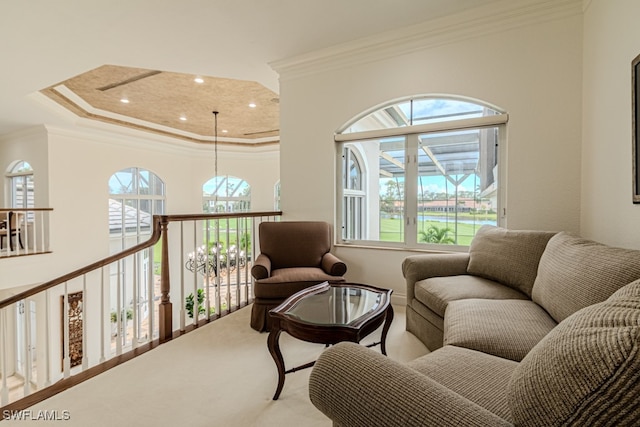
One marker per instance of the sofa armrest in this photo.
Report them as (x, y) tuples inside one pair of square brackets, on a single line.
[(420, 267), (356, 386), (332, 265), (261, 268)]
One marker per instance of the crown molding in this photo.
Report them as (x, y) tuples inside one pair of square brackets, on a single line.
[(28, 132), (130, 138), (503, 15)]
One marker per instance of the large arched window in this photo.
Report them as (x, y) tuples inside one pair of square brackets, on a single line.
[(135, 195), (430, 172), (21, 189), (226, 194)]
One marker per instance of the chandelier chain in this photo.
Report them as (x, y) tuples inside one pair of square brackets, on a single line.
[(215, 152)]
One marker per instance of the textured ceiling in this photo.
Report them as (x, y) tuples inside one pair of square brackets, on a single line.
[(158, 100)]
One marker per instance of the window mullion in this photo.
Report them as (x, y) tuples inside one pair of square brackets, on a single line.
[(340, 205), (411, 190), (502, 174), (473, 123)]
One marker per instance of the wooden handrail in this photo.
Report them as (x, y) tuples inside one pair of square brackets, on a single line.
[(193, 217), (25, 209), (155, 236)]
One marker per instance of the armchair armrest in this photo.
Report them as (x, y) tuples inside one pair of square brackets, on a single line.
[(356, 386), (261, 268), (332, 265), (420, 267)]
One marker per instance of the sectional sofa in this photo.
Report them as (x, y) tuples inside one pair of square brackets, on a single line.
[(527, 328)]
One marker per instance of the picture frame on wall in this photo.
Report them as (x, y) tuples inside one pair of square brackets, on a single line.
[(635, 127)]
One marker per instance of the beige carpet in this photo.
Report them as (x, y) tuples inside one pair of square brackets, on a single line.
[(219, 375)]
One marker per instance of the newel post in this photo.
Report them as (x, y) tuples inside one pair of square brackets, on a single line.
[(165, 310)]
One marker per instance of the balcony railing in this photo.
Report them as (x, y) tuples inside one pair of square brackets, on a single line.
[(192, 270), (24, 231)]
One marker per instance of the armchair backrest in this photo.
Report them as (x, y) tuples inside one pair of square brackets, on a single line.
[(294, 243)]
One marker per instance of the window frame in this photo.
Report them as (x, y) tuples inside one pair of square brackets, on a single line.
[(25, 176), (358, 195), (122, 198), (411, 133), (227, 200)]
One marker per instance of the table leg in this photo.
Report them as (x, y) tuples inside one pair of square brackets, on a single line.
[(274, 349), (388, 318)]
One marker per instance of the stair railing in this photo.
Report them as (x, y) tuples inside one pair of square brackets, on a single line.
[(193, 269)]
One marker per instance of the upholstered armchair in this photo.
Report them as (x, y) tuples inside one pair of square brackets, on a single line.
[(293, 256)]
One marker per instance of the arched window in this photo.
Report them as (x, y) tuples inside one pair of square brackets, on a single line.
[(135, 195), (353, 194), (21, 187), (226, 194), (432, 171)]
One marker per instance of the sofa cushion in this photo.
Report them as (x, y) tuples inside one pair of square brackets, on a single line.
[(424, 324), (508, 256), (428, 315), (437, 292), (504, 328), (575, 272), (586, 371), (479, 377)]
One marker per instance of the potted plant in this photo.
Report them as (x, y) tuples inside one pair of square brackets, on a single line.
[(190, 303), (114, 319)]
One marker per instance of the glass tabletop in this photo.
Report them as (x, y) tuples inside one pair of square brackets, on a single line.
[(337, 305)]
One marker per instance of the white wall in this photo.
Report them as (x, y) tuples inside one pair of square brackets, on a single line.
[(532, 70), (31, 146), (75, 177), (611, 42)]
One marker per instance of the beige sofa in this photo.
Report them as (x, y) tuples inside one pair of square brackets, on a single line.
[(527, 328)]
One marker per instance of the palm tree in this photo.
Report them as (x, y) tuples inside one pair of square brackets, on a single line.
[(436, 235)]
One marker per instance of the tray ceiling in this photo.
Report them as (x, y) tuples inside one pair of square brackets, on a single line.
[(173, 104)]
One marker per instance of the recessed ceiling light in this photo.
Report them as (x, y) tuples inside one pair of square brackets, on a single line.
[(252, 105), (224, 131), (183, 118), (124, 100), (198, 80)]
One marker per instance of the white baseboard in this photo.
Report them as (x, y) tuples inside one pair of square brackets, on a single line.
[(399, 299)]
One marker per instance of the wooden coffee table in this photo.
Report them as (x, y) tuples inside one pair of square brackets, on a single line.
[(329, 313)]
